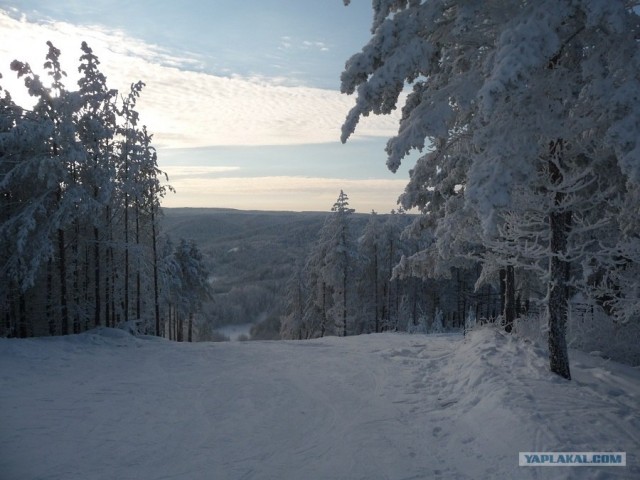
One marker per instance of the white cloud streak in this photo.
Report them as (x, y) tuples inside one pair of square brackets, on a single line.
[(183, 107), (296, 193)]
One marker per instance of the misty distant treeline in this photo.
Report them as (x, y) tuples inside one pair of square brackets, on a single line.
[(80, 191)]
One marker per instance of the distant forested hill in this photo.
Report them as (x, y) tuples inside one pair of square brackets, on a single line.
[(251, 255)]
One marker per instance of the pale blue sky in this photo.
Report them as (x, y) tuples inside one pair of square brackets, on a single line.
[(248, 89)]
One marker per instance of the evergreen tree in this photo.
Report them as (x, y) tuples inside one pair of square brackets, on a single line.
[(371, 277), (506, 90), (80, 193), (329, 269), (194, 285)]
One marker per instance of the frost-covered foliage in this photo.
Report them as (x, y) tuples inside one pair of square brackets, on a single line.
[(590, 330), (193, 287), (80, 193), (377, 299), (329, 272), (529, 113)]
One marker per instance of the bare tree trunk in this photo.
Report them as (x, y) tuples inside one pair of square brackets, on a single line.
[(96, 253), (414, 306), (154, 241), (323, 326), (51, 321), (114, 275), (509, 299), (62, 270), (559, 225), (108, 266), (75, 251), (344, 303), (390, 273), (375, 283), (126, 256), (138, 279), (22, 322), (503, 289)]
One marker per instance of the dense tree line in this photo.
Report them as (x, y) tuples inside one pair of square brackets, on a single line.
[(531, 116), (350, 282), (80, 193)]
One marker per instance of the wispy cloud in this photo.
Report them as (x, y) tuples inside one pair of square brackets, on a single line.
[(180, 173), (297, 193), (285, 42), (306, 44), (187, 108)]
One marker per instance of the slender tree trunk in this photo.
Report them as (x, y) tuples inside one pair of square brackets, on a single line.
[(51, 321), (22, 315), (384, 313), (509, 299), (75, 251), (112, 286), (138, 277), (559, 225), (323, 325), (414, 304), (503, 289), (96, 253), (154, 242), (126, 257), (375, 285), (461, 304), (344, 303), (390, 273), (62, 270), (108, 269), (190, 328), (8, 326)]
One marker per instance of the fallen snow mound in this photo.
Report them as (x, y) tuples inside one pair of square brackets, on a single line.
[(107, 404)]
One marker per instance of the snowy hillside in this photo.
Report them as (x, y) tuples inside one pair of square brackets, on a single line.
[(106, 405)]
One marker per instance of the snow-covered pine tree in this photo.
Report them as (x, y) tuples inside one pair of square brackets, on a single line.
[(292, 324), (370, 276), (391, 250), (328, 270), (338, 264), (194, 282), (54, 159), (149, 194), (549, 84), (16, 272), (128, 148), (316, 309), (63, 222), (96, 130)]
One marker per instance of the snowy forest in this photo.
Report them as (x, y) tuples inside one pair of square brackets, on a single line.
[(492, 315), (530, 116), (80, 194), (527, 195)]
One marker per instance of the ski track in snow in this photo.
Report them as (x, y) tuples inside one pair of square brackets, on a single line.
[(106, 405)]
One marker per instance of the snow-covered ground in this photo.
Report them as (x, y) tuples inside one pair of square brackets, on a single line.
[(106, 405)]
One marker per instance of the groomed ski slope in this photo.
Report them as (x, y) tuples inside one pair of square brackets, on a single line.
[(107, 405)]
